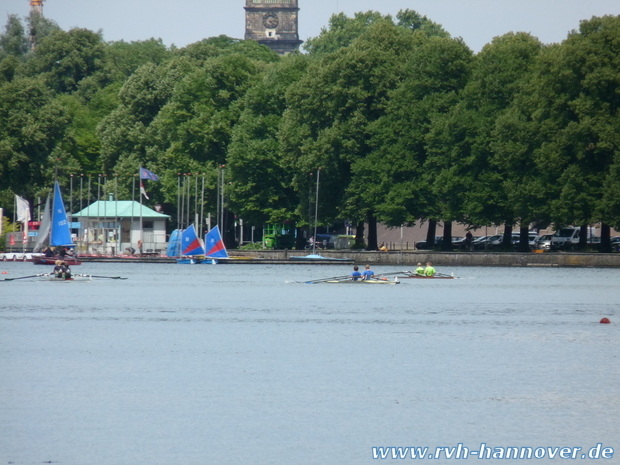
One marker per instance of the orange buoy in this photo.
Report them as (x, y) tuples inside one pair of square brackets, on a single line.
[(605, 321), (5, 272)]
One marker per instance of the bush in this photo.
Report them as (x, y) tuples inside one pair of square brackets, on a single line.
[(252, 246)]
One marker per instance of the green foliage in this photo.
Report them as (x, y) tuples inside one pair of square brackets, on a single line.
[(261, 190), (40, 27), (13, 41), (413, 20), (65, 59), (404, 122), (122, 59), (34, 125), (342, 31)]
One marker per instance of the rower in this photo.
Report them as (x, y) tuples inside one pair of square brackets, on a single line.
[(420, 270), (355, 275), (429, 271), (58, 269), (66, 271), (368, 273)]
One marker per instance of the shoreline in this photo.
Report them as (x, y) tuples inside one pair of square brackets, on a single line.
[(395, 258)]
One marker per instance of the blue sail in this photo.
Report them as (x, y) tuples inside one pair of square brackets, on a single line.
[(215, 244), (61, 234), (191, 244)]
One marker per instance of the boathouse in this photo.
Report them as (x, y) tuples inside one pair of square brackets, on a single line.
[(116, 227)]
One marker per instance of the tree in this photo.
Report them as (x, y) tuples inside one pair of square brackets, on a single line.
[(569, 111), (472, 174), (410, 185), (342, 30), (261, 189), (40, 28), (13, 41), (122, 59), (329, 113), (65, 59), (32, 127)]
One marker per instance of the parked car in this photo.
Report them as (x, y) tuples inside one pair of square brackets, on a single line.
[(565, 239), (543, 242), (488, 242), (615, 244), (532, 238), (325, 241), (422, 245), (438, 243)]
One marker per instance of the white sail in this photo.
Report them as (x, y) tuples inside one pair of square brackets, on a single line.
[(43, 238)]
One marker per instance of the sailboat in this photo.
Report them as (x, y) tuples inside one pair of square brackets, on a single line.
[(315, 256), (54, 231), (194, 252), (215, 248), (192, 248)]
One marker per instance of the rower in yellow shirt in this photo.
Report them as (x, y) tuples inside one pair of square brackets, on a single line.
[(429, 271)]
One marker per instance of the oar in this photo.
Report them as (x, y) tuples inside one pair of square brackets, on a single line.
[(26, 277), (328, 279), (93, 276), (444, 275)]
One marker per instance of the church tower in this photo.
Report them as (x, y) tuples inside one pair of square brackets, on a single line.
[(273, 23)]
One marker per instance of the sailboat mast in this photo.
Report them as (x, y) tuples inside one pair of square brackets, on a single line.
[(316, 209)]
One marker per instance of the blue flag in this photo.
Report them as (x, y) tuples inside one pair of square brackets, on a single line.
[(146, 174)]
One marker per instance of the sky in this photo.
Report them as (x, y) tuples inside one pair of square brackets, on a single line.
[(182, 22)]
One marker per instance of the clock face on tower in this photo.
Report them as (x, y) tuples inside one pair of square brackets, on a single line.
[(270, 20)]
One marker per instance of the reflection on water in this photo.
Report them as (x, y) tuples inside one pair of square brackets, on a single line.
[(241, 364)]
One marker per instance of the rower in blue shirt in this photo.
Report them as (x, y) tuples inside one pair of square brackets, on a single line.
[(368, 273), (356, 274)]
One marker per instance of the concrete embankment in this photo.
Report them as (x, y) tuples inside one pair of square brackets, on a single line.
[(411, 258)]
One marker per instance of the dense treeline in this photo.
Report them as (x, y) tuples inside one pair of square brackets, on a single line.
[(405, 122)]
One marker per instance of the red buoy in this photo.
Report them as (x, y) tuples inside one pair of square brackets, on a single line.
[(5, 272), (605, 321)]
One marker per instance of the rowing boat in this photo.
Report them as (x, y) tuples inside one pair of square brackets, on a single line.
[(80, 278), (417, 276), (366, 281)]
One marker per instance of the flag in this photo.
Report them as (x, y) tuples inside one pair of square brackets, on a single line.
[(146, 174), (23, 209), (143, 191)]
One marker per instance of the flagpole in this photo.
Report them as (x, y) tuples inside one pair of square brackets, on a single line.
[(189, 198), (141, 242), (196, 202), (89, 230), (178, 200), (316, 209), (179, 214), (133, 201), (99, 210), (104, 239), (202, 206), (118, 223)]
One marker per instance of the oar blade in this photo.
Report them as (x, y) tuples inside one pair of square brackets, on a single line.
[(322, 280), (24, 277)]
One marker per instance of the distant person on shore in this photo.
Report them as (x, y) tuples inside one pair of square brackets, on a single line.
[(368, 273), (429, 271), (420, 269), (355, 275), (469, 241), (383, 247)]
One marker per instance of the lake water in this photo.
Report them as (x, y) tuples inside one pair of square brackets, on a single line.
[(236, 364)]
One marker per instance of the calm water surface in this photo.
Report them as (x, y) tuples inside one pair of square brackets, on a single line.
[(237, 364)]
